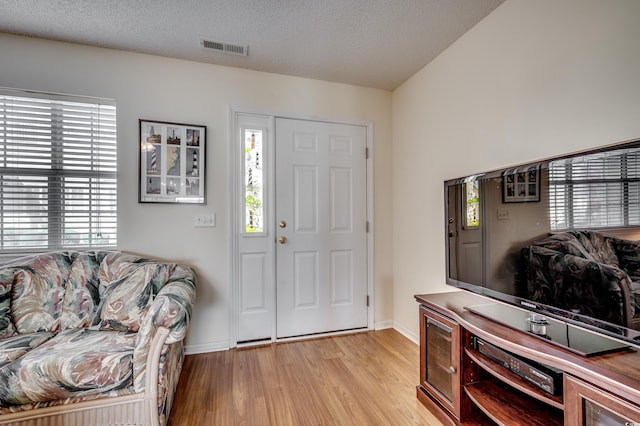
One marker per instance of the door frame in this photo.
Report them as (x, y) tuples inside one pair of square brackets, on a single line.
[(235, 223)]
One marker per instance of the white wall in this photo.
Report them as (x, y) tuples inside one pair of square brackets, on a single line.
[(532, 80), (158, 88)]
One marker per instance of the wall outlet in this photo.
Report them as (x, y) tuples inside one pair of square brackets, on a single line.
[(504, 214), (206, 220)]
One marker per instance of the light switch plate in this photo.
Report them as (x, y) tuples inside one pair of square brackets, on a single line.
[(205, 220), (504, 214)]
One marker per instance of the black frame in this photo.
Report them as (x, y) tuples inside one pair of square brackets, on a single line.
[(619, 332), (184, 180)]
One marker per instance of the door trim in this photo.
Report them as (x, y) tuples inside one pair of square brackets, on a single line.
[(233, 159)]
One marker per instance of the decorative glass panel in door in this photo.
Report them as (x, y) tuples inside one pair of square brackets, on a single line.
[(253, 196)]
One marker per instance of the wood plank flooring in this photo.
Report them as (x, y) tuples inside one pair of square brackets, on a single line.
[(366, 378)]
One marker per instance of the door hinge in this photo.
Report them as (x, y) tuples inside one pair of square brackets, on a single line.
[(366, 153), (367, 300), (367, 227)]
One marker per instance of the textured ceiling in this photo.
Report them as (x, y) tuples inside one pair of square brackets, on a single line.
[(372, 43)]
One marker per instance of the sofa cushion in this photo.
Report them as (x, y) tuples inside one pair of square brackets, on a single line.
[(6, 284), (33, 306), (15, 346), (599, 246), (76, 362), (115, 265), (37, 293), (127, 296), (564, 243), (81, 296)]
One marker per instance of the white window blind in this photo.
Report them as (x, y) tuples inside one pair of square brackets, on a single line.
[(595, 191), (57, 172)]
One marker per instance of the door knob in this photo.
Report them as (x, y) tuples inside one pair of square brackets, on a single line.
[(283, 224), (282, 240)]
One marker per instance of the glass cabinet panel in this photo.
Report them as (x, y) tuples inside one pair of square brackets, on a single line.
[(439, 357), (587, 405), (597, 415)]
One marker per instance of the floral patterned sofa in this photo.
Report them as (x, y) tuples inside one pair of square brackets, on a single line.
[(586, 272), (91, 338)]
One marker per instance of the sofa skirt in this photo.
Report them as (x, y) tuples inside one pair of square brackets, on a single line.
[(127, 410)]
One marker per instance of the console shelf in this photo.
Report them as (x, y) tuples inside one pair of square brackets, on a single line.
[(513, 380), (503, 405), (463, 386)]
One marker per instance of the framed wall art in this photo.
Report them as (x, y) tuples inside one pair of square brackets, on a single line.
[(172, 162), (521, 186)]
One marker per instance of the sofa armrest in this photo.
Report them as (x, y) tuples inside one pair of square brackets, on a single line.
[(171, 310), (172, 306), (628, 252)]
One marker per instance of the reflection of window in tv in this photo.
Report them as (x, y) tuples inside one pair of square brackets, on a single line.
[(595, 191)]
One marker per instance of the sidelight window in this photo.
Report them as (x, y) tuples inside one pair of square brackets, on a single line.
[(254, 182)]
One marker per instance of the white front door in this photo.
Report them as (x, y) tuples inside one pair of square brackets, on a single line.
[(321, 255)]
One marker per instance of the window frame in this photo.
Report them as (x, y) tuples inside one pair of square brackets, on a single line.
[(79, 165)]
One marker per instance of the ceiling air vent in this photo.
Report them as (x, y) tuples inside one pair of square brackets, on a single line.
[(224, 47)]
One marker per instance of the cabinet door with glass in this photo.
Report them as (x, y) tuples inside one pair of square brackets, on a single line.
[(586, 405), (440, 359)]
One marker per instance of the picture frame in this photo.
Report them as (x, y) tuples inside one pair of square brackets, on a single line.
[(171, 166), (521, 185)]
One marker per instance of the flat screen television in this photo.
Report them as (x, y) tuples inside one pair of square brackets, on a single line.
[(558, 238)]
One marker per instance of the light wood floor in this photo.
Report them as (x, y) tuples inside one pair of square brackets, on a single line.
[(367, 378)]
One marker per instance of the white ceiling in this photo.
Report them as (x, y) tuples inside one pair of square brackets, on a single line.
[(372, 43)]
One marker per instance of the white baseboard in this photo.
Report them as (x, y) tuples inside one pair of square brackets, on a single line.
[(222, 345), (383, 325), (406, 333)]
